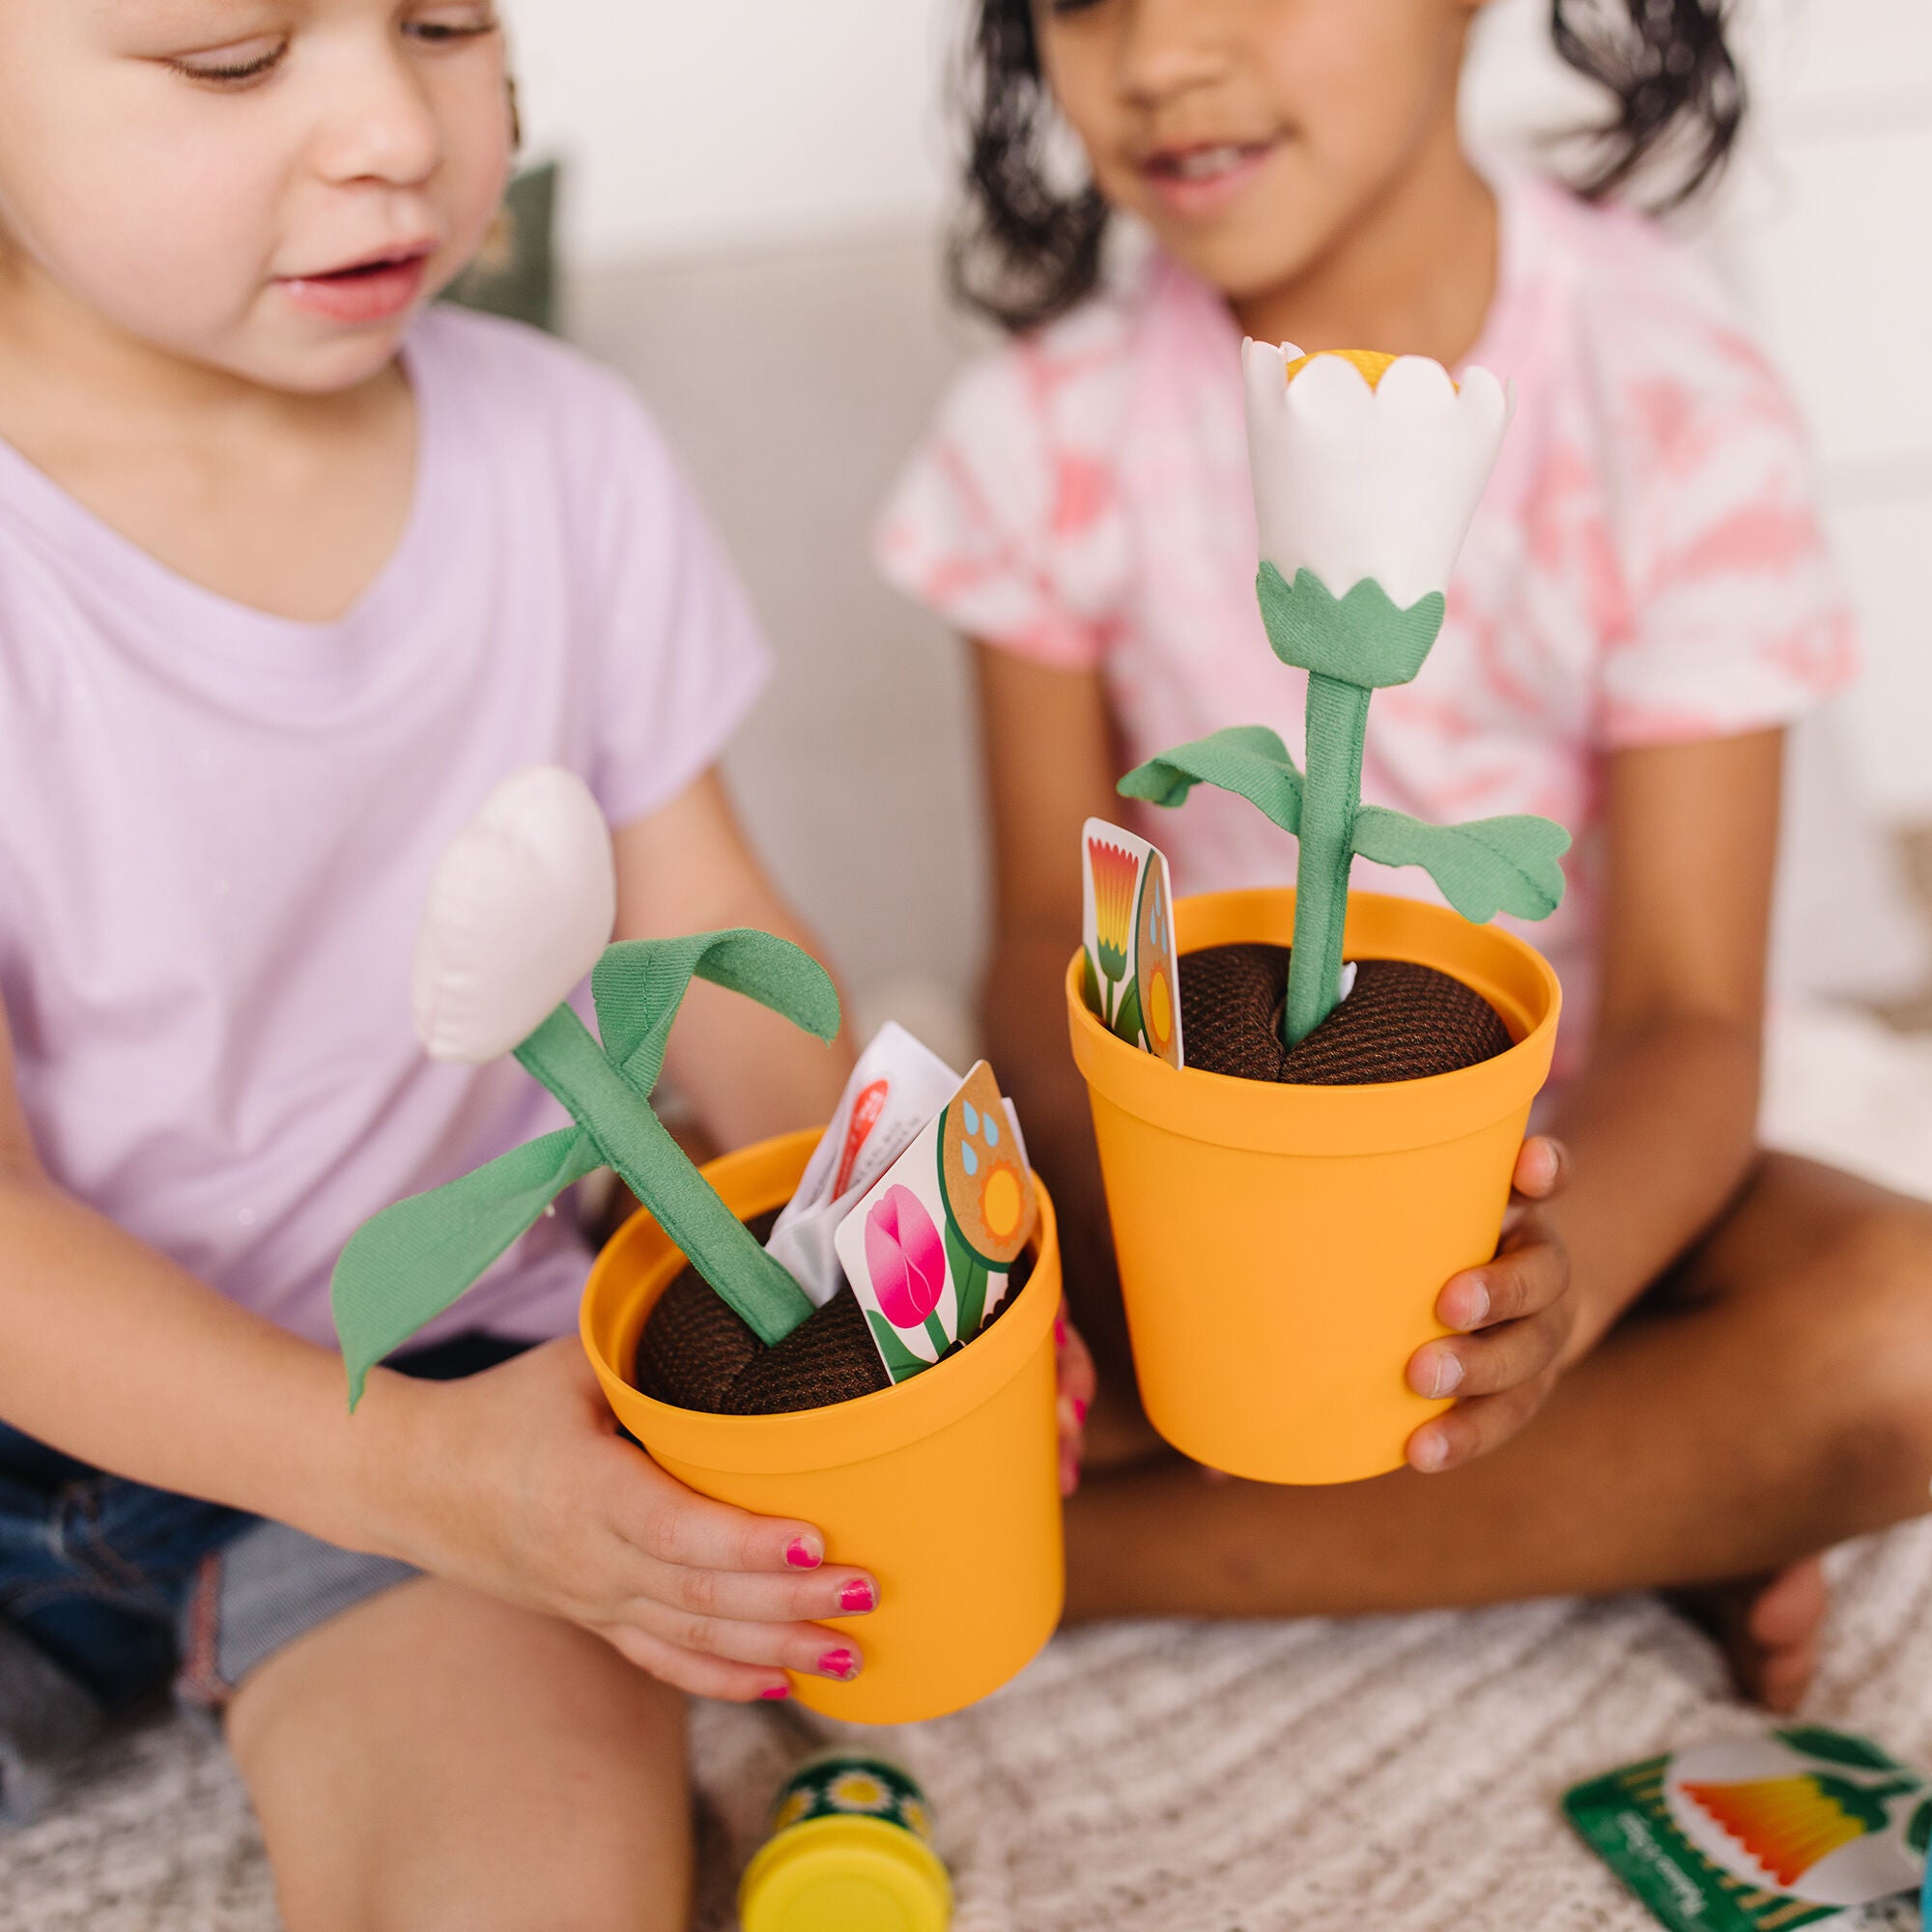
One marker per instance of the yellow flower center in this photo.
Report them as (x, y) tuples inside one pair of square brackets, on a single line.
[(1000, 1202), (1159, 1009), (1370, 364)]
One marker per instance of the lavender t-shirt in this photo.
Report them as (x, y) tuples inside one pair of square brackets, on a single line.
[(217, 827)]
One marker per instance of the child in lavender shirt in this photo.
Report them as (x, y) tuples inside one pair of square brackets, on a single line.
[(291, 574)]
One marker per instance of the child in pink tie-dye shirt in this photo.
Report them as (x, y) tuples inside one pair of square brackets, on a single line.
[(1693, 1364)]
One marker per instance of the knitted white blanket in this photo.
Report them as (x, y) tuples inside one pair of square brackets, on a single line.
[(1398, 1773)]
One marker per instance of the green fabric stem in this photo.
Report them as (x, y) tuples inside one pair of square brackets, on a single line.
[(405, 1266), (760, 1290), (1338, 716)]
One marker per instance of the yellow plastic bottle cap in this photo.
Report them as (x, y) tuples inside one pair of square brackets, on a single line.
[(845, 1875)]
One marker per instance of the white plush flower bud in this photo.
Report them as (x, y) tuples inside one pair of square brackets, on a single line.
[(1366, 467), (520, 908)]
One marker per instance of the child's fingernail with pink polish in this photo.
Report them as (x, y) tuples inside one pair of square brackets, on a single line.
[(1079, 1412), (840, 1663), (772, 1692), (1060, 1331), (801, 1554), (858, 1596)]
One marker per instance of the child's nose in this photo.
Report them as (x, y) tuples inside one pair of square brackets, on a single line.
[(1172, 45), (380, 126)]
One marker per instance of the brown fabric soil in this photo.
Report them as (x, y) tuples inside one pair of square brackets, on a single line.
[(1402, 1022), (696, 1352)]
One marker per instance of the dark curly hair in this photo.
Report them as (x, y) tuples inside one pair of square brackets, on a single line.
[(1026, 248)]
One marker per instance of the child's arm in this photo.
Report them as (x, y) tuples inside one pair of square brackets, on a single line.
[(1050, 764), (747, 1073), (1661, 1124), (514, 1481)]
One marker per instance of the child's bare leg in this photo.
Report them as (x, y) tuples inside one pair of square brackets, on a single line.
[(1778, 1402), (433, 1758)]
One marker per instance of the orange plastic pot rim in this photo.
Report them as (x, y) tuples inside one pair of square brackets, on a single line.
[(612, 1317), (1260, 1118)]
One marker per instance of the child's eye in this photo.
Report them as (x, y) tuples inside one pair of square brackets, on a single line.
[(442, 25), (232, 66)]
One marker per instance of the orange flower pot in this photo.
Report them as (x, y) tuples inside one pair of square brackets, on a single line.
[(1281, 1247), (946, 1487)]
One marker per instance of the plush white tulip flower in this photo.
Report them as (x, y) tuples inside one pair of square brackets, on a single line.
[(1367, 471), (1368, 466), (520, 907)]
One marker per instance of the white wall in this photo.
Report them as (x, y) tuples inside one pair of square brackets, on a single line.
[(709, 124)]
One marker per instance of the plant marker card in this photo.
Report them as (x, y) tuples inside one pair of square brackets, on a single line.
[(929, 1247), (1132, 972), (896, 1088), (1804, 1827)]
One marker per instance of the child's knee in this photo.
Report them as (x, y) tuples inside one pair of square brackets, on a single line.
[(1872, 1296)]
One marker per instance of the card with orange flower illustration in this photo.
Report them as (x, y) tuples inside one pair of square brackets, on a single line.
[(929, 1247), (1132, 972), (1803, 1827)]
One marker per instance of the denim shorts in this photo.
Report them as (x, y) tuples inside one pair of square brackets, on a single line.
[(109, 1590)]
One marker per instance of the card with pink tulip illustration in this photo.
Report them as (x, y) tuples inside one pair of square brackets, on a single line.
[(1133, 973), (930, 1248)]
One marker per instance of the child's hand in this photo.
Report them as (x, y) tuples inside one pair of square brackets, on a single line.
[(1515, 1315), (517, 1483), (1077, 1385)]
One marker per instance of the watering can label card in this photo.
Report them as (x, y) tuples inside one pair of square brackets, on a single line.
[(929, 1247), (1131, 971), (1805, 1827)]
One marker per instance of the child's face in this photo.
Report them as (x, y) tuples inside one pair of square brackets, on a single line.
[(1252, 135), (268, 187)]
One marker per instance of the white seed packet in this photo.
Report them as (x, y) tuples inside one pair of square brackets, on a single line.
[(896, 1088)]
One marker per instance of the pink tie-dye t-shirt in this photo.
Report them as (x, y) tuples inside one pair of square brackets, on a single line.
[(1647, 564)]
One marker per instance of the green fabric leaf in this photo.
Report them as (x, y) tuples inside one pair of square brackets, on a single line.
[(639, 984), (405, 1266), (1487, 867), (1362, 638), (1127, 1014), (900, 1360), (1247, 759)]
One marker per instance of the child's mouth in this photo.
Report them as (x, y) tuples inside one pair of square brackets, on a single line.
[(1202, 179), (373, 291)]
